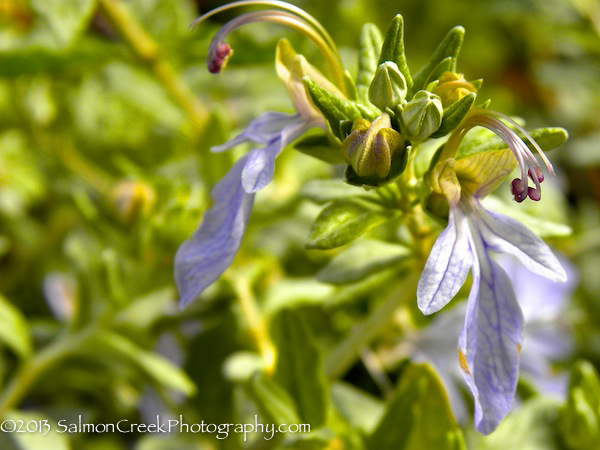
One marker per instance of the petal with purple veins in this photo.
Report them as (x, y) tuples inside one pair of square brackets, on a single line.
[(490, 340), (447, 266)]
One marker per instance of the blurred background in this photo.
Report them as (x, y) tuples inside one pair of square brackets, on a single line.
[(107, 113)]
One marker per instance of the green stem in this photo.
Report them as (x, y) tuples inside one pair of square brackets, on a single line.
[(33, 368), (342, 357), (147, 50)]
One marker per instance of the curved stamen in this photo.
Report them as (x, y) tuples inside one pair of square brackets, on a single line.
[(527, 162), (291, 16)]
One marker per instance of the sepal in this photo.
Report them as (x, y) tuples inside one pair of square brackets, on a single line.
[(388, 88)]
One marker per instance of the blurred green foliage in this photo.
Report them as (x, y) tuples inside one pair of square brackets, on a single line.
[(107, 114)]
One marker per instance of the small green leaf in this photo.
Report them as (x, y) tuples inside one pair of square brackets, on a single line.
[(532, 427), (342, 221), (580, 417), (67, 18), (454, 114), (368, 55), (444, 66), (359, 408), (418, 416), (320, 147), (273, 401), (299, 368), (361, 260), (324, 191), (41, 438), (334, 108), (393, 48), (449, 47), (157, 367), (14, 329)]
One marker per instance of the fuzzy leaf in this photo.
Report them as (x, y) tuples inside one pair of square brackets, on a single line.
[(299, 367), (449, 47), (361, 260), (370, 47), (342, 221), (336, 109), (318, 146), (418, 416), (14, 329), (273, 401), (454, 114), (393, 48)]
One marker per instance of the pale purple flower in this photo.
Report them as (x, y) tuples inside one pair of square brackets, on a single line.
[(492, 334), (546, 338), (203, 258)]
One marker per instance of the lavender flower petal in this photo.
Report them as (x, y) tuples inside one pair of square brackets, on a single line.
[(260, 168), (203, 258), (490, 340), (447, 266), (507, 235)]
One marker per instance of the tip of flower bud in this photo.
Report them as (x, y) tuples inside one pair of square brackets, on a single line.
[(219, 57)]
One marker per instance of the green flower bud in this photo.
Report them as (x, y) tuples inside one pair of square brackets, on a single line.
[(369, 148), (452, 87), (388, 88), (422, 115)]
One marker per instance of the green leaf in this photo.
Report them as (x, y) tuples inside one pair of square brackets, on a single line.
[(336, 109), (454, 114), (449, 47), (444, 66), (580, 417), (418, 416), (296, 291), (320, 147), (273, 401), (299, 368), (67, 18), (361, 260), (157, 367), (14, 329), (393, 48), (484, 140), (324, 191), (532, 427), (360, 409), (32, 440), (368, 55), (342, 221)]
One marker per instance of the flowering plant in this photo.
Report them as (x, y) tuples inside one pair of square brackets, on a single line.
[(383, 126)]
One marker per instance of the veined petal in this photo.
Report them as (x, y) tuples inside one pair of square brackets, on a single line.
[(447, 266), (506, 235), (490, 340), (260, 168), (203, 258)]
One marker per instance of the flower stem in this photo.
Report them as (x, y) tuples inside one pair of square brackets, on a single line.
[(147, 50), (342, 357), (33, 368), (256, 324)]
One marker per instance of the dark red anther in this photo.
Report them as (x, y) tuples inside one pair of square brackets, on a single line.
[(519, 190), (539, 174), (534, 194), (220, 57)]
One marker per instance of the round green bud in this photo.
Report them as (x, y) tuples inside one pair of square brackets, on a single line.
[(422, 115), (388, 88)]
